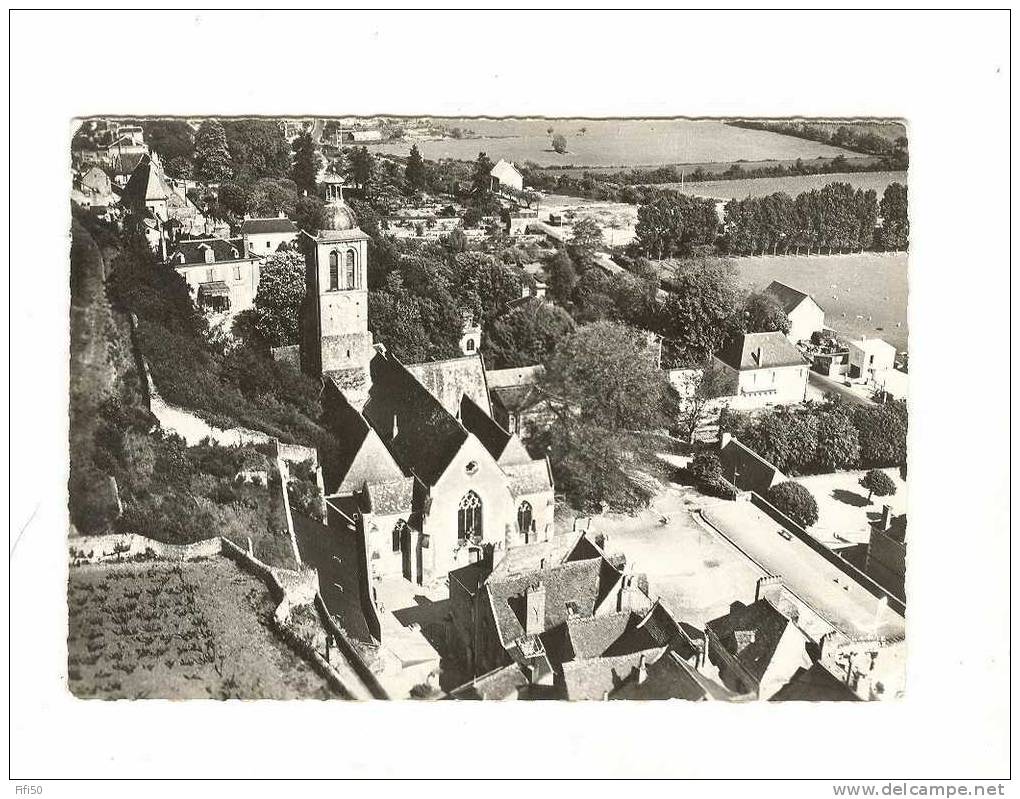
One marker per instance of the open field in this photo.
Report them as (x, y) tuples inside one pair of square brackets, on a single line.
[(794, 185), (616, 219), (863, 294), (194, 630), (619, 142)]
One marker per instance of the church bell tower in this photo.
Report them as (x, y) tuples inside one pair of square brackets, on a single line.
[(337, 343)]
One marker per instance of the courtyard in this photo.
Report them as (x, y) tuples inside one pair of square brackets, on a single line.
[(844, 512), (692, 570)]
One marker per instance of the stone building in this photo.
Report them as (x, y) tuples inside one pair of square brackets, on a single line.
[(435, 479), (219, 273)]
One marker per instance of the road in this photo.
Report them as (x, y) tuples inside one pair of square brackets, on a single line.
[(827, 385)]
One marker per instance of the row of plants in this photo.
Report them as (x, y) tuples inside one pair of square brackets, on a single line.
[(824, 437)]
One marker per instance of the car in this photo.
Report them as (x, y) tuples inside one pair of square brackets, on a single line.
[(785, 534)]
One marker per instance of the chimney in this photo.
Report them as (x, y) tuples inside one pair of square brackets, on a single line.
[(642, 671), (757, 355), (534, 600), (886, 517)]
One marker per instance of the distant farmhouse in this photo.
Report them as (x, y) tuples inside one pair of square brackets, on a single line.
[(806, 316), (506, 176), (764, 369)]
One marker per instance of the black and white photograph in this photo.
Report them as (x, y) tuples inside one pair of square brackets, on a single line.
[(360, 410), (393, 373)]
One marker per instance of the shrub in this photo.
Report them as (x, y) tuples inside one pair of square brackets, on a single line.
[(795, 501), (706, 468), (878, 483)]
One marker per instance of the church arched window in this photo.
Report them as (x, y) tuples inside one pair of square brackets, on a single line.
[(351, 271), (469, 516), (524, 520), (470, 345), (334, 271)]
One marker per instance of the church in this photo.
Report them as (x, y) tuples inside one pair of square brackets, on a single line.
[(425, 476)]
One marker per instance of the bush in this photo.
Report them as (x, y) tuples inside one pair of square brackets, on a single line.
[(706, 468), (878, 483), (795, 501)]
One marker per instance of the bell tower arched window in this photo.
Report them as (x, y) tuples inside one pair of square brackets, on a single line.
[(469, 516), (350, 270), (524, 519), (334, 271)]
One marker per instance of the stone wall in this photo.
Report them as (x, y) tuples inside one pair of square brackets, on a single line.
[(119, 547), (746, 469)]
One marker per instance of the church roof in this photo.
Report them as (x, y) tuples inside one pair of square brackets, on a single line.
[(420, 433), (146, 184), (449, 380), (361, 458), (493, 437), (527, 478)]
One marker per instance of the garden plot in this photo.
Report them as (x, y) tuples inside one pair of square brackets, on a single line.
[(196, 630)]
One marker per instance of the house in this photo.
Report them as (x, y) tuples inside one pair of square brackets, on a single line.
[(806, 316), (265, 236), (669, 677), (506, 177), (436, 480), (887, 552), (92, 188), (518, 405), (764, 369), (537, 282), (517, 220), (220, 275), (756, 648), (870, 359), (563, 605)]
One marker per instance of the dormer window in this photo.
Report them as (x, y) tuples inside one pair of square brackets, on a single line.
[(210, 256), (233, 252)]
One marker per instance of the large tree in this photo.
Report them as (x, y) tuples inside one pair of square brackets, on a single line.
[(306, 165), (674, 223), (605, 388), (481, 178), (275, 313), (528, 334), (212, 156), (895, 222), (414, 172), (763, 313), (795, 501), (694, 395), (361, 168), (700, 312), (258, 148), (586, 236)]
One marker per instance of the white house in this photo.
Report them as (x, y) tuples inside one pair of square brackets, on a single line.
[(220, 276), (506, 176), (806, 316), (264, 236), (871, 358), (764, 369)]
